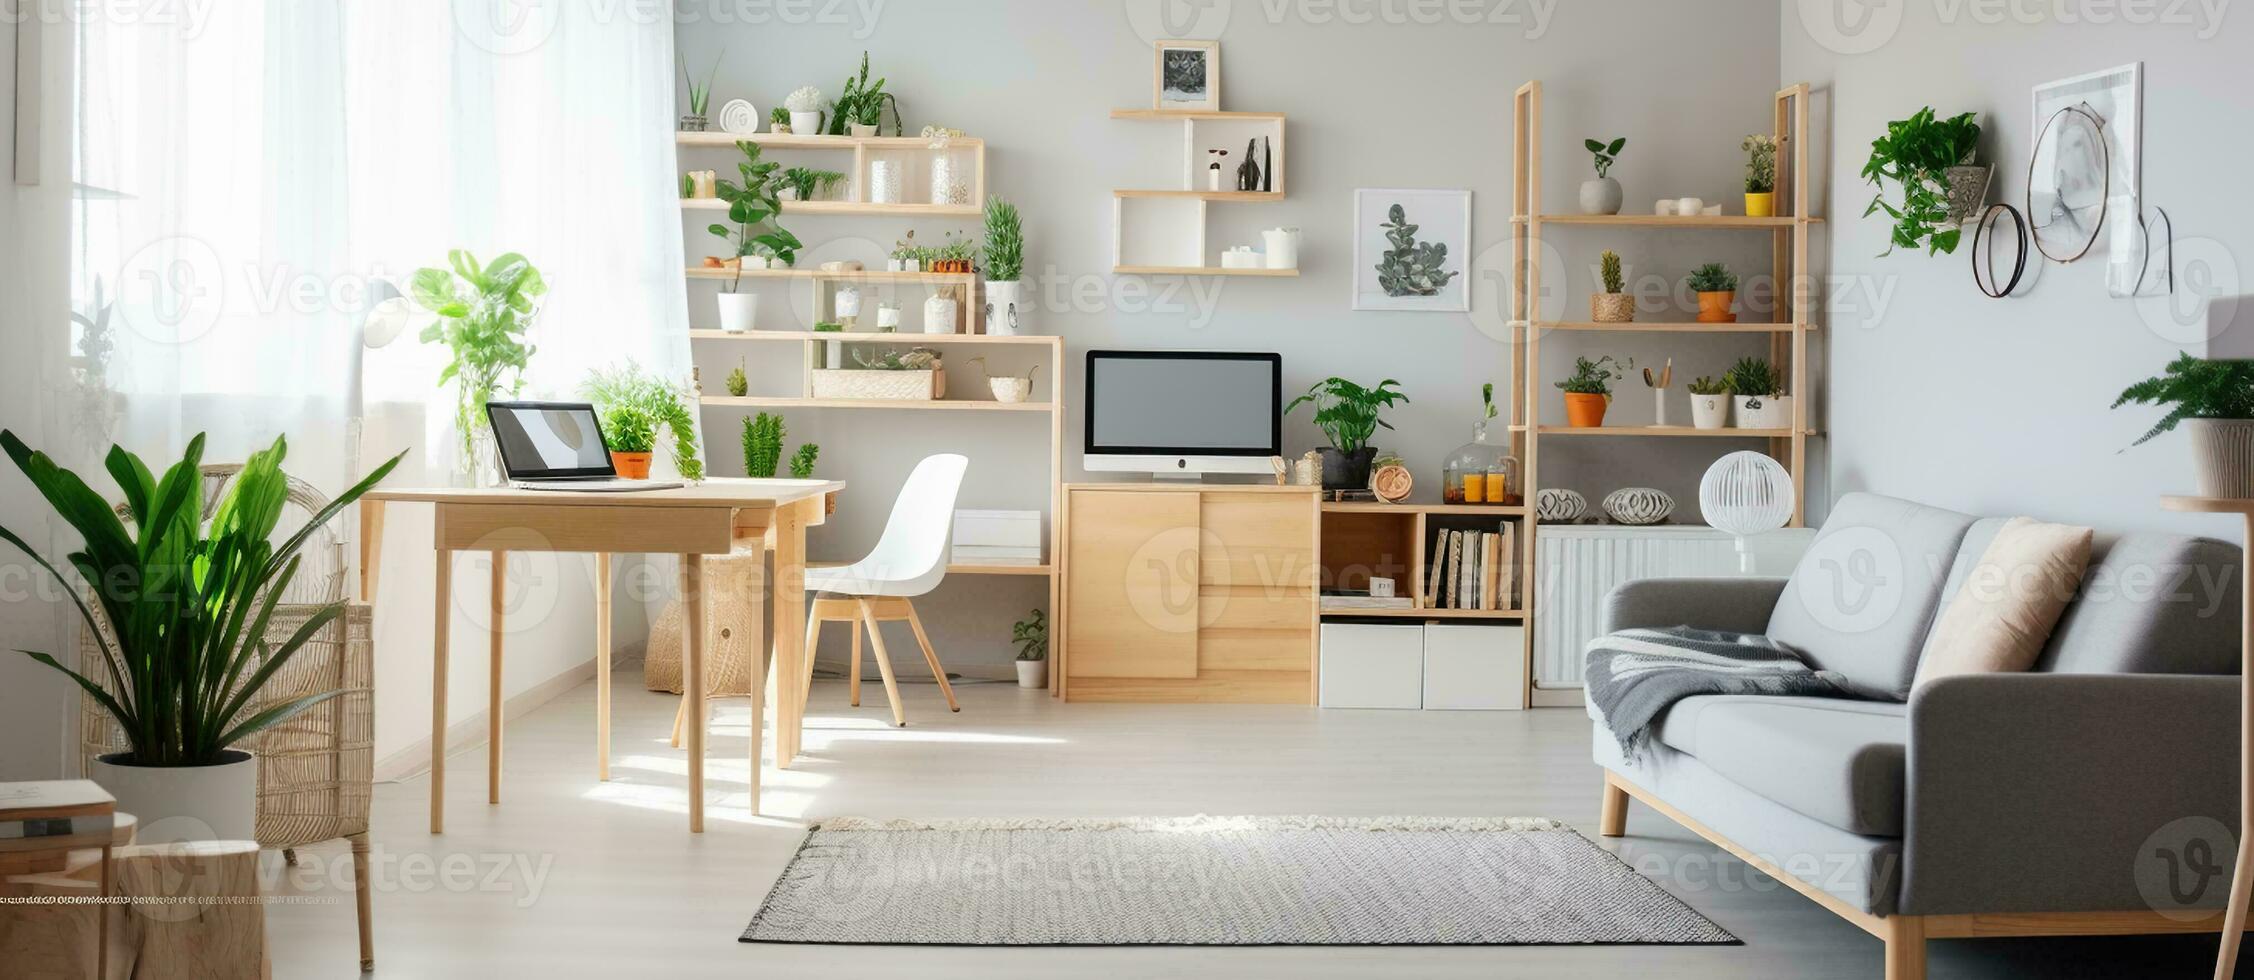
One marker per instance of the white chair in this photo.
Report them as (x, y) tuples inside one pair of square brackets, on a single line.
[(909, 560)]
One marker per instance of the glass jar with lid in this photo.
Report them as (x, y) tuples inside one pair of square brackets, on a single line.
[(1482, 472)]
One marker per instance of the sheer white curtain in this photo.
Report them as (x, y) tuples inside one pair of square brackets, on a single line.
[(246, 174)]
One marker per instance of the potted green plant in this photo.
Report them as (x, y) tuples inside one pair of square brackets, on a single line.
[(738, 384), (778, 120), (1930, 160), (859, 106), (1589, 390), (1348, 414), (1031, 636), (1005, 268), (763, 445), (1760, 175), (483, 314), (1602, 194), (700, 96), (630, 397), (1710, 403), (2214, 402), (802, 461), (1716, 287), (1613, 305), (184, 633), (805, 106), (1759, 391)]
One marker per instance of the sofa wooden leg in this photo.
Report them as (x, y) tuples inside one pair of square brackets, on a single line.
[(1612, 818), (1905, 947)]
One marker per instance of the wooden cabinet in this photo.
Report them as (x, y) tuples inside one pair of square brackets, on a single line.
[(1187, 594)]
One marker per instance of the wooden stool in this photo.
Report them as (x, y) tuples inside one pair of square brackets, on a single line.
[(872, 611)]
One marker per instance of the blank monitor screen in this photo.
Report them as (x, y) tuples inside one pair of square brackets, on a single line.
[(1184, 403), (546, 440)]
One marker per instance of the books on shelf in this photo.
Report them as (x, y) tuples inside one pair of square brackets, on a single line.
[(1472, 569)]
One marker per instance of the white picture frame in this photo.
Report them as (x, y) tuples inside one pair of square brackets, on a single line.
[(1186, 76), (2116, 96), (1441, 217)]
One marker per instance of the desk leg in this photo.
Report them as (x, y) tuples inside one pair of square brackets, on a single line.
[(2242, 878), (440, 608), (692, 680), (602, 665), (371, 547), (493, 685), (790, 618), (748, 627)]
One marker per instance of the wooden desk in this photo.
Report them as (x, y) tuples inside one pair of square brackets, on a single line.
[(2242, 877), (715, 517)]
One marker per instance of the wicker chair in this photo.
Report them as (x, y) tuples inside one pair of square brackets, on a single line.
[(314, 770)]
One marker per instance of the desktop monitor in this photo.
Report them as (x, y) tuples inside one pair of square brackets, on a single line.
[(1183, 413)]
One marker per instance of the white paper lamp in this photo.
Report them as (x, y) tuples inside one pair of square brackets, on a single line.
[(1746, 493)]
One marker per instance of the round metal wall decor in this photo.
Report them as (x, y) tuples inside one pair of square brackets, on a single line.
[(2069, 180)]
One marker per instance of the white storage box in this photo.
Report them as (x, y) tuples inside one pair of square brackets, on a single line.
[(978, 555), (1371, 666), (1473, 667), (998, 529)]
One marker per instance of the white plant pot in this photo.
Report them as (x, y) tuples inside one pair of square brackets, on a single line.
[(911, 265), (806, 123), (2223, 450), (1006, 309), (738, 311), (1763, 412), (755, 262), (860, 130), (1710, 411), (1601, 195), (1033, 673), (185, 803), (895, 265), (939, 314)]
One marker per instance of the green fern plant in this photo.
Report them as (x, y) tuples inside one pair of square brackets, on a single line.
[(802, 461), (1610, 263), (2194, 388), (763, 445), (1753, 377), (638, 395)]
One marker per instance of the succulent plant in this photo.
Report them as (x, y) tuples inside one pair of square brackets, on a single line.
[(1713, 277), (1410, 267), (779, 115), (1753, 377), (802, 461), (738, 385), (806, 98), (763, 445), (1709, 386), (1610, 260)]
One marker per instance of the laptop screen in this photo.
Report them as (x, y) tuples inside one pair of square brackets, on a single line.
[(549, 440)]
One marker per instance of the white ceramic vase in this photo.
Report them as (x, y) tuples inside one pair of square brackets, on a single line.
[(1710, 411), (939, 314), (1282, 247), (862, 131), (738, 311), (1005, 308), (947, 184), (1033, 673), (1601, 195), (885, 178), (185, 803), (2223, 449), (806, 123), (1764, 411)]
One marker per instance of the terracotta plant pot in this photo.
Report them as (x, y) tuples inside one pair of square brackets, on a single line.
[(1715, 307), (631, 466), (1584, 411), (1762, 205), (1612, 308)]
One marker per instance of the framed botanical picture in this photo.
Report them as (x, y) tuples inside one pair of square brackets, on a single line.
[(1189, 76), (1412, 250)]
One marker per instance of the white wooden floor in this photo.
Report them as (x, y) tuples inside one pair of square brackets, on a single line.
[(570, 877)]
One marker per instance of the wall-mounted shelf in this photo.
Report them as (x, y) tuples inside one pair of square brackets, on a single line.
[(847, 208), (1669, 220), (1199, 270), (1169, 236), (857, 275), (916, 156), (1661, 326), (865, 337), (901, 405), (799, 141), (1668, 431)]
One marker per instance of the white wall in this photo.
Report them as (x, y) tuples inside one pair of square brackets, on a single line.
[(35, 702), (1411, 98), (2000, 407)]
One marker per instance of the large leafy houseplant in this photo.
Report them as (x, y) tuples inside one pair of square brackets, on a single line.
[(633, 403), (753, 204), (484, 312), (185, 650), (1915, 153), (1348, 414)]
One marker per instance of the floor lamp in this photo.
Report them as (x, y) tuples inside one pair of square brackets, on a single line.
[(1746, 493)]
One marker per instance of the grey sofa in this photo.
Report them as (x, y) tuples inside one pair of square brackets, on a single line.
[(1988, 805)]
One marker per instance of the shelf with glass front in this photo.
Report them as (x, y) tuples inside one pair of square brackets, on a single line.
[(901, 176), (1227, 158)]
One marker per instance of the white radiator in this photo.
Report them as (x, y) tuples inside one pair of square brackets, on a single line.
[(1577, 564)]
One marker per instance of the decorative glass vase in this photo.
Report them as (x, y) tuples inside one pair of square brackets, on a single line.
[(1482, 472)]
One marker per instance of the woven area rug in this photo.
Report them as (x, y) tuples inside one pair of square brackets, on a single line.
[(1216, 881)]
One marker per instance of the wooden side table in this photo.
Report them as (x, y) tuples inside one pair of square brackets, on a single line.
[(2242, 875)]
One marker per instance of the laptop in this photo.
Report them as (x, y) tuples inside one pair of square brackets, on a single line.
[(557, 446)]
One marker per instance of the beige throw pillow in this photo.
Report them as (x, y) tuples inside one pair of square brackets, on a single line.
[(2002, 617)]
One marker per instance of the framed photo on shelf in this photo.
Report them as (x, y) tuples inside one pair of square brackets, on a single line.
[(1189, 76), (1412, 250)]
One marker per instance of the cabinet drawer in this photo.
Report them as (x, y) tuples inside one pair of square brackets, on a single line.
[(1257, 540)]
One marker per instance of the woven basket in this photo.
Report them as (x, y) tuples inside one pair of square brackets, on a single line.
[(899, 386)]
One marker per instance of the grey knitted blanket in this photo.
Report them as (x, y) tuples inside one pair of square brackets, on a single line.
[(1636, 675)]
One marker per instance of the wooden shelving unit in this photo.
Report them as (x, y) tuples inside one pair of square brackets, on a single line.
[(914, 151), (1789, 332), (1362, 540), (1239, 126)]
